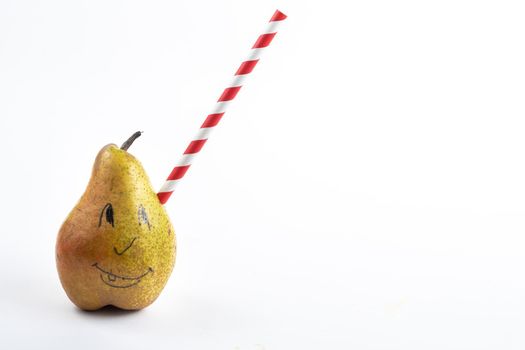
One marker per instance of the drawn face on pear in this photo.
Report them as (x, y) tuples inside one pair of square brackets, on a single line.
[(107, 218)]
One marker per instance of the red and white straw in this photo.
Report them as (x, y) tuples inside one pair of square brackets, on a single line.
[(220, 107)]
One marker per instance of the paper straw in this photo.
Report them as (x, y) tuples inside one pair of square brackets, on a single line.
[(220, 107)]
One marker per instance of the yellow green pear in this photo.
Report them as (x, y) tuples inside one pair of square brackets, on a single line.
[(117, 246)]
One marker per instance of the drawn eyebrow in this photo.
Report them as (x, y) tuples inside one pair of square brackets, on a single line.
[(108, 209), (143, 216)]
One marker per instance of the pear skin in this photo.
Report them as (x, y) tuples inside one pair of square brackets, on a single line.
[(117, 246)]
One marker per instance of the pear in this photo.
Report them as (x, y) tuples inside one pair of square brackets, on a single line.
[(117, 246)]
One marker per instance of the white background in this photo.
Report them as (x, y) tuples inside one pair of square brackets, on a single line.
[(366, 190)]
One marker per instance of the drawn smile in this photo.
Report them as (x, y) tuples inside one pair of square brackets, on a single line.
[(117, 281)]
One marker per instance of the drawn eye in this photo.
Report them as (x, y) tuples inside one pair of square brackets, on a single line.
[(107, 212), (143, 216)]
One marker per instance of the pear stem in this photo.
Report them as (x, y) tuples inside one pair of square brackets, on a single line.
[(129, 141)]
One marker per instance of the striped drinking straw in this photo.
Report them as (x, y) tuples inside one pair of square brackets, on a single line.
[(220, 107)]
